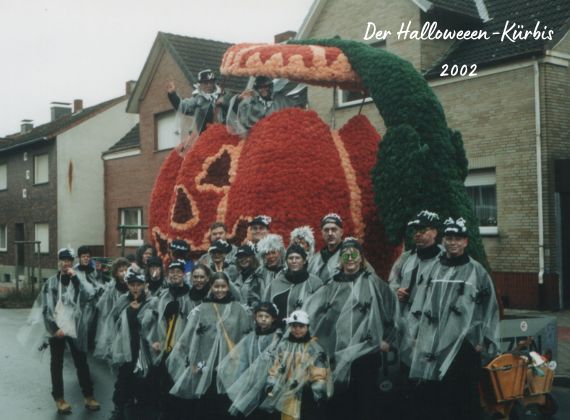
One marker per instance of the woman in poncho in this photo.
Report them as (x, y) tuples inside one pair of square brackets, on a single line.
[(212, 330)]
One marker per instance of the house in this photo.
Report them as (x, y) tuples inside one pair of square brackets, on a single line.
[(513, 113), (132, 164), (51, 184)]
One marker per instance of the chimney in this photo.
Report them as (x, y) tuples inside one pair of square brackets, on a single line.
[(60, 109), (284, 36), (130, 87), (77, 105), (26, 126)]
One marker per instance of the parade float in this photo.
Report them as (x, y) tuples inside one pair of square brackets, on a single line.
[(293, 167)]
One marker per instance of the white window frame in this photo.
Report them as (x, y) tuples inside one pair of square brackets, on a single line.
[(3, 176), (4, 235), (166, 131), (340, 101), (39, 236), (132, 242), (481, 178), (37, 174)]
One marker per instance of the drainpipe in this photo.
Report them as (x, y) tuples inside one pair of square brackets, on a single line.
[(539, 173)]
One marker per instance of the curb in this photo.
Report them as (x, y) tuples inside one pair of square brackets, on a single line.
[(563, 381)]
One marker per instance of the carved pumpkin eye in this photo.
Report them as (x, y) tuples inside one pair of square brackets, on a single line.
[(218, 172)]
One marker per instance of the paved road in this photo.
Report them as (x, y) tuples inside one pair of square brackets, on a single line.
[(25, 382)]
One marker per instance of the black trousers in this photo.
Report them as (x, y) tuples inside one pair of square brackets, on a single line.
[(57, 348), (359, 400)]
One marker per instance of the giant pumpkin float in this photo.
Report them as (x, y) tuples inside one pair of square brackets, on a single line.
[(293, 167)]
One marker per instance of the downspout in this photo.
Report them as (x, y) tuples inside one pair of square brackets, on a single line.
[(539, 173)]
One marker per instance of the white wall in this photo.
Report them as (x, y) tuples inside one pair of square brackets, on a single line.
[(80, 210)]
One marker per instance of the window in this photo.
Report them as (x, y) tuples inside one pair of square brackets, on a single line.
[(41, 169), (132, 217), (3, 238), (3, 176), (41, 233), (168, 134), (348, 98), (481, 186)]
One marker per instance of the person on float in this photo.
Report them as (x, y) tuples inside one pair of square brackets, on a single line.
[(272, 252), (456, 324), (163, 324), (355, 316), (212, 331), (304, 236), (63, 298), (325, 263), (218, 230), (208, 104), (293, 285), (247, 265), (134, 392), (154, 276), (243, 371), (113, 291), (300, 379)]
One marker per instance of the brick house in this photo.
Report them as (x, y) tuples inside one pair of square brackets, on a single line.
[(51, 183), (132, 164), (514, 116)]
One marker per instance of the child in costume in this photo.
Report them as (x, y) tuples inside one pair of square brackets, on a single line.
[(300, 377), (244, 370)]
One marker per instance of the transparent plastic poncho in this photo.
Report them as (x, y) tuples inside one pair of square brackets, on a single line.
[(57, 307), (325, 271), (243, 372), (157, 327), (103, 336), (295, 367), (212, 331), (351, 319), (255, 286), (456, 303), (298, 293)]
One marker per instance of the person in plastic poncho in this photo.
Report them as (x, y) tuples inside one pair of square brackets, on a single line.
[(299, 380), (218, 230), (272, 252), (85, 270), (244, 370), (293, 285), (218, 251), (212, 330), (163, 323), (354, 317), (113, 291), (247, 266), (458, 322), (207, 105), (304, 236), (325, 263), (63, 297), (154, 276), (134, 393), (258, 228)]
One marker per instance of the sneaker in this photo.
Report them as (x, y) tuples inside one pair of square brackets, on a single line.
[(63, 406), (92, 404)]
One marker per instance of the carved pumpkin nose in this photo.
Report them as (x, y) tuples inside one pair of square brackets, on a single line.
[(184, 212)]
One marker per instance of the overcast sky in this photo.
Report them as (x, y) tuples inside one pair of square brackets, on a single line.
[(61, 50)]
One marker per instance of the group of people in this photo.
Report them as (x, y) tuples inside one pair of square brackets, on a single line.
[(211, 103), (263, 331)]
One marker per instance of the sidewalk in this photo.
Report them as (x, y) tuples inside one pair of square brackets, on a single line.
[(562, 373)]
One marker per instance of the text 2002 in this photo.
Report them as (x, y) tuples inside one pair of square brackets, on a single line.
[(455, 70)]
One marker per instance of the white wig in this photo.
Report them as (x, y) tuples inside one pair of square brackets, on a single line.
[(306, 233), (271, 242)]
